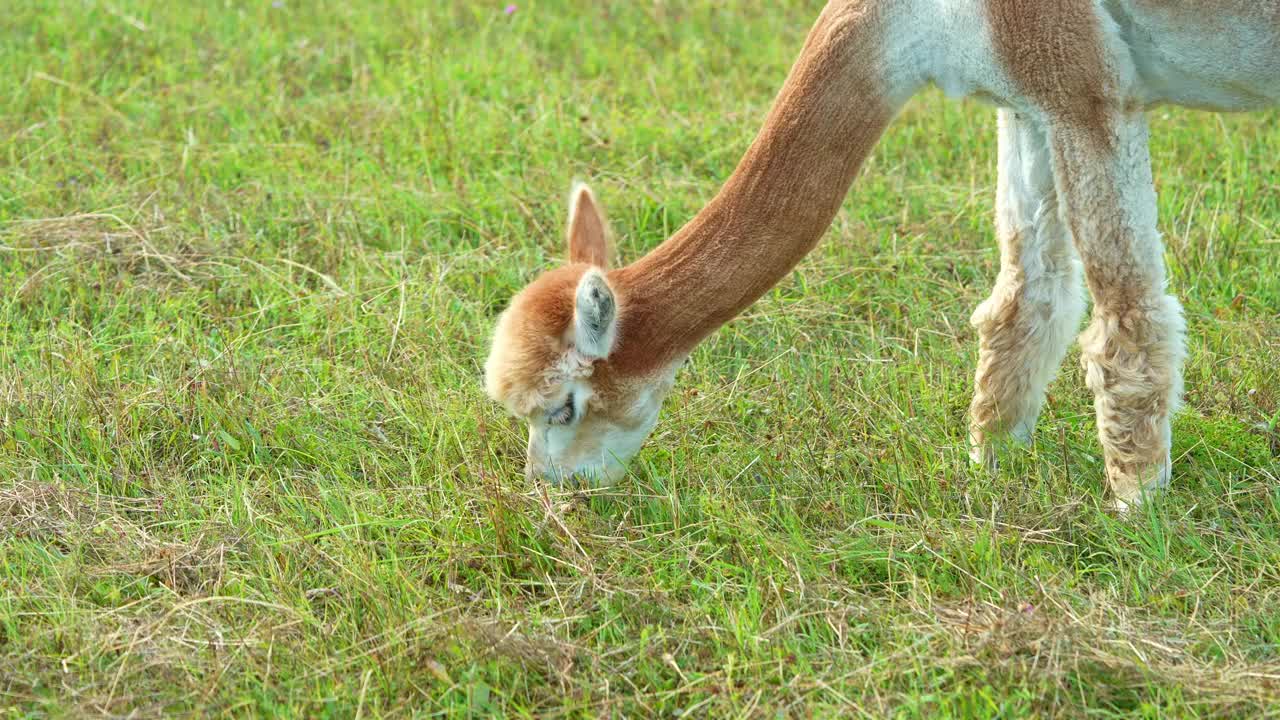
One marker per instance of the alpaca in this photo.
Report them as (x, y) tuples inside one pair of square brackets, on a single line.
[(586, 353)]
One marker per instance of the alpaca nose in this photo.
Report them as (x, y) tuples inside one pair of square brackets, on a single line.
[(561, 478), (553, 475)]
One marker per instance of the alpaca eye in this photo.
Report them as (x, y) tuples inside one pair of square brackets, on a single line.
[(564, 414)]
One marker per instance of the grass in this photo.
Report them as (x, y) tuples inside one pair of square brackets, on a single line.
[(249, 256)]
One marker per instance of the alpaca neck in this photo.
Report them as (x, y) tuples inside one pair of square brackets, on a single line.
[(836, 103)]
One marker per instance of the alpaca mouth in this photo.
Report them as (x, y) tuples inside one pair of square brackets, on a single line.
[(595, 476)]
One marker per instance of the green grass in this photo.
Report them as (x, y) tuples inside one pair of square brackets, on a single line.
[(249, 258)]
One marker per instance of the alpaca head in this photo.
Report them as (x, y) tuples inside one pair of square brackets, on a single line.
[(551, 364)]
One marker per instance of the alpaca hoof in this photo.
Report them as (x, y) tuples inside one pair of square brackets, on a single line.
[(983, 455), (1131, 489), (1122, 507)]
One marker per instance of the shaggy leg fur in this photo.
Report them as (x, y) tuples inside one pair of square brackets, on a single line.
[(1132, 351), (1034, 311)]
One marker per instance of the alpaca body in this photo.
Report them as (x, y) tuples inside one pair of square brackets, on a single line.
[(1220, 56), (586, 355)]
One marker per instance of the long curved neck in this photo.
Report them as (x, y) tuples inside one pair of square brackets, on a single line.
[(837, 101)]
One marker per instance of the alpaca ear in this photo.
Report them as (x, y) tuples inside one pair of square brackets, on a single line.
[(595, 316), (588, 229)]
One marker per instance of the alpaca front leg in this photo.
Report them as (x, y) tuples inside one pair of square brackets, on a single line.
[(1027, 324), (1133, 349), (1132, 355)]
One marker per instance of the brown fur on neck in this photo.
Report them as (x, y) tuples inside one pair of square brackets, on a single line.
[(775, 207)]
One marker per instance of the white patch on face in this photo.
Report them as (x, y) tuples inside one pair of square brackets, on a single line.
[(558, 440), (594, 452)]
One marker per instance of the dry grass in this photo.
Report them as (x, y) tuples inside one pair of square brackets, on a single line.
[(249, 258)]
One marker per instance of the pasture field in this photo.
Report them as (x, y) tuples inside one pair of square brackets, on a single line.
[(250, 254)]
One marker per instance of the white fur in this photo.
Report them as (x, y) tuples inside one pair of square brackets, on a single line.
[(1067, 193), (948, 42), (952, 47), (1183, 64), (1039, 286), (595, 316), (1134, 347), (561, 453)]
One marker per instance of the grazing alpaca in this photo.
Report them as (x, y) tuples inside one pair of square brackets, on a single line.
[(586, 354)]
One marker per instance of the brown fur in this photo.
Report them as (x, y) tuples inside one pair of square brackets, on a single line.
[(1072, 71), (1132, 350), (1054, 53), (531, 339), (769, 214), (588, 232), (773, 209)]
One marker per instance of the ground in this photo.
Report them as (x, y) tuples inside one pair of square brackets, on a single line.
[(250, 253)]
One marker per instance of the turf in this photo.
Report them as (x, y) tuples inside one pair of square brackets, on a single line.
[(250, 253)]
